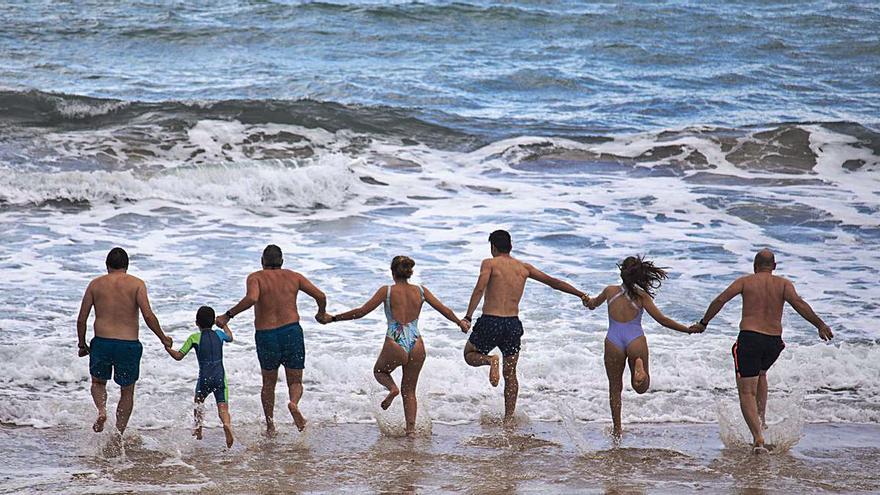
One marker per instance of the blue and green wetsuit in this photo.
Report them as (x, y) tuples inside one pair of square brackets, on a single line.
[(208, 344)]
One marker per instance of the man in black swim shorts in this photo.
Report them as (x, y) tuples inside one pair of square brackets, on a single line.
[(503, 279), (760, 338)]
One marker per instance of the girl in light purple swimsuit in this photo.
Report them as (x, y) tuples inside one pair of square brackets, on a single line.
[(626, 341)]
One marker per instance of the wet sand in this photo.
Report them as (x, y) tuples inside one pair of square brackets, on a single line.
[(473, 458)]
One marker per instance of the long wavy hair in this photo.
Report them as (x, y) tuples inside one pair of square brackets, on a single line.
[(637, 272)]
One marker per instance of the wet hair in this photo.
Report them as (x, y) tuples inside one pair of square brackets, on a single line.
[(272, 257), (500, 240), (117, 259), (205, 317), (402, 267), (637, 272), (765, 259)]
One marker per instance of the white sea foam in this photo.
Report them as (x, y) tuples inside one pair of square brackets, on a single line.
[(196, 230)]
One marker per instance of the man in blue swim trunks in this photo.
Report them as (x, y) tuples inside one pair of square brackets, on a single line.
[(272, 292), (115, 350), (503, 279)]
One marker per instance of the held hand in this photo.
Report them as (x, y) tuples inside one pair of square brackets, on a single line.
[(221, 320), (464, 326), (825, 333), (323, 318), (84, 351), (585, 300), (166, 341), (696, 328)]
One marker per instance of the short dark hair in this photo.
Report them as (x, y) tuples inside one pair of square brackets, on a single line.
[(501, 240), (765, 258), (402, 267), (205, 317), (272, 257), (117, 259)]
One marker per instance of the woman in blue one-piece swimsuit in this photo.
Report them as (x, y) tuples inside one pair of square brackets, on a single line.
[(626, 341), (403, 342)]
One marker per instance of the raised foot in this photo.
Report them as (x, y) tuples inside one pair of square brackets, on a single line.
[(390, 398), (98, 427), (227, 430), (639, 375), (495, 370), (298, 419), (197, 432)]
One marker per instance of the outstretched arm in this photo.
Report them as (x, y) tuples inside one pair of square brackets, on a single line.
[(309, 288), (715, 306), (228, 332), (364, 310), (659, 317), (806, 311), (595, 302), (152, 322), (555, 283), (250, 298), (85, 309), (479, 289), (443, 310), (184, 349)]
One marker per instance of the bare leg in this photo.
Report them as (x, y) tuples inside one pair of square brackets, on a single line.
[(637, 355), (99, 395), (295, 390), (223, 412), (123, 410), (267, 396), (198, 416), (511, 387), (748, 403), (389, 359), (615, 363), (410, 379), (475, 358), (762, 398)]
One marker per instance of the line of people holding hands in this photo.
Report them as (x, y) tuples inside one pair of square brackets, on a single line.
[(117, 298)]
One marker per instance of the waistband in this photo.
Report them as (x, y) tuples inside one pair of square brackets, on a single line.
[(107, 339), (760, 335), (290, 326), (511, 318)]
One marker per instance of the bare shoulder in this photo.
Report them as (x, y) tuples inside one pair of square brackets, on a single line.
[(292, 275)]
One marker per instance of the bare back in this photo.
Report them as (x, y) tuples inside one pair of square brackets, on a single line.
[(274, 292), (115, 298), (763, 296), (406, 302), (507, 280)]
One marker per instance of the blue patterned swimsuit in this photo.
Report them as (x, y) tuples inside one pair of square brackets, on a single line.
[(406, 335)]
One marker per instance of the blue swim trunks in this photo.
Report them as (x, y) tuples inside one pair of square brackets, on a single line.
[(281, 346), (503, 332), (119, 358)]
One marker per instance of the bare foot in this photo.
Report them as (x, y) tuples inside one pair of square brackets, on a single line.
[(616, 433), (508, 421), (410, 433), (494, 370), (639, 375), (760, 449), (390, 398), (227, 429), (270, 428), (98, 427), (197, 432), (298, 418)]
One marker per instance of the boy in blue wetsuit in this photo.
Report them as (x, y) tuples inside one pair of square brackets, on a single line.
[(208, 344)]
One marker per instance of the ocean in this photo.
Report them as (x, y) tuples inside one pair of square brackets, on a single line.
[(350, 132)]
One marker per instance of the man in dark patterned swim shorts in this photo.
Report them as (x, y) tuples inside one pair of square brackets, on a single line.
[(503, 279)]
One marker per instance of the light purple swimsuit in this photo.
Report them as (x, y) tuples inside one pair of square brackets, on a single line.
[(621, 333)]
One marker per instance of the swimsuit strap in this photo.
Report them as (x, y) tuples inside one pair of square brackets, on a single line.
[(422, 292), (623, 292)]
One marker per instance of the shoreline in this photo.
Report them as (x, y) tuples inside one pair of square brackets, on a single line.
[(476, 458)]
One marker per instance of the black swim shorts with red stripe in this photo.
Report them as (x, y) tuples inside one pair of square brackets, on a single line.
[(755, 352)]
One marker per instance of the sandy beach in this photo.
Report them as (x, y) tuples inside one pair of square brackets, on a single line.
[(356, 458)]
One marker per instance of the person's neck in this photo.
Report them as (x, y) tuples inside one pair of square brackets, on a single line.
[(401, 281), (271, 268), (112, 271), (502, 255), (764, 270)]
